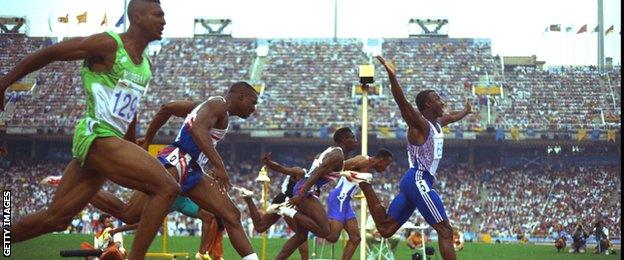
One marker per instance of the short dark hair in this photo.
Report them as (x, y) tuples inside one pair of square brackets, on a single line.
[(422, 98), (342, 133), (384, 153), (103, 217), (135, 5), (241, 85)]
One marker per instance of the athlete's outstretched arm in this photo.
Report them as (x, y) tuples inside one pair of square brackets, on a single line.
[(295, 172), (175, 108), (356, 163), (411, 116), (93, 47), (206, 119), (457, 115), (331, 162)]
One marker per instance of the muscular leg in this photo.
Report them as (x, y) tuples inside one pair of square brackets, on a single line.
[(203, 244), (129, 213), (130, 166), (352, 228), (208, 197), (311, 216), (445, 239), (335, 227), (303, 248), (261, 222), (73, 193), (206, 218), (385, 224), (300, 237)]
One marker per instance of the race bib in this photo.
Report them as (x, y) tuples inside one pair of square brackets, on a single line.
[(180, 164), (126, 96), (422, 186), (437, 148)]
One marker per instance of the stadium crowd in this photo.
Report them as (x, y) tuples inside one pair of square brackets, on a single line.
[(308, 84), (506, 202)]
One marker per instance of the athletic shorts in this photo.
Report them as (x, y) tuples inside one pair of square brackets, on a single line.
[(280, 198), (416, 192), (185, 206), (86, 131), (190, 174), (313, 191), (339, 210)]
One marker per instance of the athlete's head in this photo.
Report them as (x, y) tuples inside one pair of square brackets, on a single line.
[(148, 17), (244, 99), (345, 138), (430, 100), (106, 220), (385, 158)]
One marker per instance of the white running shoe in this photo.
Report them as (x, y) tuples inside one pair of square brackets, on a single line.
[(287, 210), (274, 208), (245, 193), (200, 256), (52, 181), (357, 177)]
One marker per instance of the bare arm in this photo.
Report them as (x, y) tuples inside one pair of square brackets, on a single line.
[(95, 46), (331, 162), (457, 115), (207, 118), (411, 116), (357, 163), (175, 108), (295, 172)]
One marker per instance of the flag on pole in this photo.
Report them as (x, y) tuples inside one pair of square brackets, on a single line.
[(104, 21), (82, 18), (596, 29), (611, 135), (609, 30), (50, 23), (554, 28), (582, 30), (121, 20), (63, 19)]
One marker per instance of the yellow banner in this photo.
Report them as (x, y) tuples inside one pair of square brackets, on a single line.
[(582, 133), (385, 132), (490, 90), (515, 133), (20, 87), (611, 135), (154, 149)]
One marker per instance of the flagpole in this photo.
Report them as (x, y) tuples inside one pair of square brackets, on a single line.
[(125, 15), (573, 48), (586, 60)]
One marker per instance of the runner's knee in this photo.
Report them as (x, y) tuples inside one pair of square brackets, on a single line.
[(261, 228), (324, 232), (332, 238), (385, 232)]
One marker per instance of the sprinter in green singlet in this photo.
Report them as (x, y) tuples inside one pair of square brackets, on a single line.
[(115, 73)]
